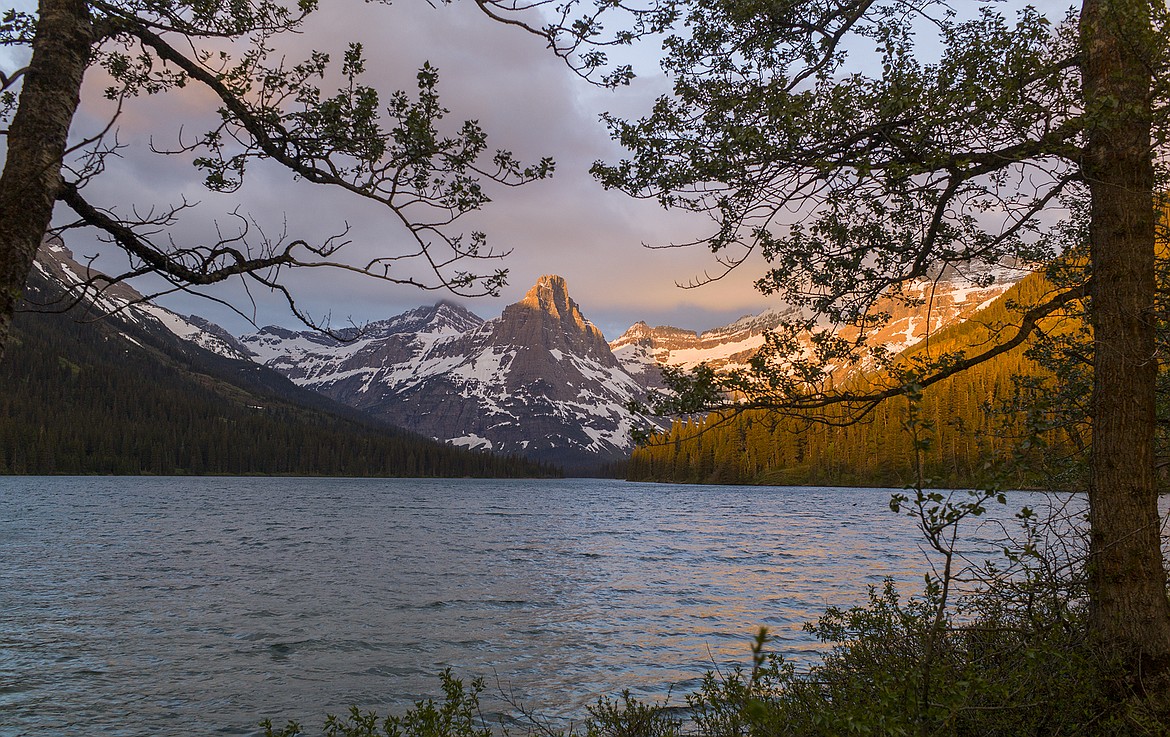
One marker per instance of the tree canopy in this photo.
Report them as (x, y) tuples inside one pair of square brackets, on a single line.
[(851, 179), (979, 136)]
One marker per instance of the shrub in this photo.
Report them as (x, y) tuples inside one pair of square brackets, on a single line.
[(457, 716), (998, 673)]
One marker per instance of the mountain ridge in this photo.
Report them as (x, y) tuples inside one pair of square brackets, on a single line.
[(539, 380), (125, 388), (949, 297), (979, 437)]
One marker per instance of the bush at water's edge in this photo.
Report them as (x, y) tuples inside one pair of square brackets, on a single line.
[(1011, 660)]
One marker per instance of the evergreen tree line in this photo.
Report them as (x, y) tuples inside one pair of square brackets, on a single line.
[(78, 398), (982, 426)]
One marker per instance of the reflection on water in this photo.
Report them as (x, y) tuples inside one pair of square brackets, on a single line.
[(167, 606)]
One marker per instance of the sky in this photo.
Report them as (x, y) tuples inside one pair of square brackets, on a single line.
[(527, 101)]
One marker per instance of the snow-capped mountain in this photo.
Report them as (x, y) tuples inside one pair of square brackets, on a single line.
[(540, 380), (643, 349), (101, 300), (382, 352), (951, 297)]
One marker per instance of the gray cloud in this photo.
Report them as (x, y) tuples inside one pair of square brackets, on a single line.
[(526, 100)]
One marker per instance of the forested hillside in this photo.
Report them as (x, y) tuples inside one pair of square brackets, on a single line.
[(84, 397), (974, 433)]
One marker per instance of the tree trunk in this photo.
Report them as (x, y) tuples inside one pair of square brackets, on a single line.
[(36, 143), (1130, 610)]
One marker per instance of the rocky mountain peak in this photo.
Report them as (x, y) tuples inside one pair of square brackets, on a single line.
[(638, 332), (531, 322), (441, 317), (538, 380), (550, 295)]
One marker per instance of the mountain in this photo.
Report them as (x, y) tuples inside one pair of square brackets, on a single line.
[(540, 380), (978, 436), (111, 386), (378, 354), (642, 349), (120, 303), (948, 298)]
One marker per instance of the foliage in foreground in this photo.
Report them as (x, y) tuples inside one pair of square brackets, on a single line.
[(1002, 673), (998, 649), (457, 716), (1008, 661)]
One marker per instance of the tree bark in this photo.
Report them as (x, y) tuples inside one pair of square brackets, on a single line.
[(37, 141), (1130, 613)]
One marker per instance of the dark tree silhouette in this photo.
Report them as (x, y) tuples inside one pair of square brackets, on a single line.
[(1027, 139), (393, 150)]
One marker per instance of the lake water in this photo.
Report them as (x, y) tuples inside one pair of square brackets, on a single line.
[(199, 606)]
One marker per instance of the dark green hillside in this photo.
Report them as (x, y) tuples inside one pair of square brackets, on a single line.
[(80, 398)]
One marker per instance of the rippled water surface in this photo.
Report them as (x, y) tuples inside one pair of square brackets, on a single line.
[(199, 606)]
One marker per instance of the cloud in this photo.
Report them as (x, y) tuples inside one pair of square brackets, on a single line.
[(526, 100)]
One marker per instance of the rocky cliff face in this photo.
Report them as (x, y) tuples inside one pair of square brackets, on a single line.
[(540, 380)]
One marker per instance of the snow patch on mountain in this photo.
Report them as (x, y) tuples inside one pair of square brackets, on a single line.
[(539, 380), (949, 297), (123, 303)]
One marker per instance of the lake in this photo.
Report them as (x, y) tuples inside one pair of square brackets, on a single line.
[(145, 606)]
